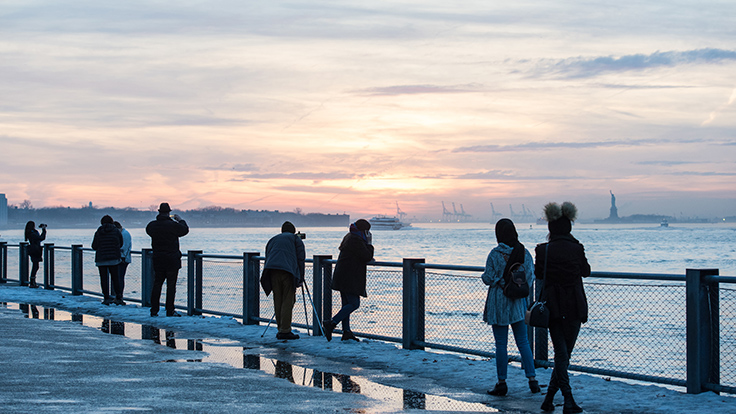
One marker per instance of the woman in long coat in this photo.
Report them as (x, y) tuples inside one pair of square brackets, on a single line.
[(566, 266), (500, 311), (349, 276)]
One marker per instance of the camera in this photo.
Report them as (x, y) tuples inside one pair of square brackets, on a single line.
[(43, 225), (301, 235)]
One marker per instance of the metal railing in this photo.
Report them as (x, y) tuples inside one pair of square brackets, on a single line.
[(662, 328)]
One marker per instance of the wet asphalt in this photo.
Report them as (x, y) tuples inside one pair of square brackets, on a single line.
[(61, 367)]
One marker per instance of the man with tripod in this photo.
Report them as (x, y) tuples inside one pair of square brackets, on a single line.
[(283, 273)]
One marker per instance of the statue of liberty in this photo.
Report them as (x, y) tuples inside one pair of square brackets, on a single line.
[(614, 210)]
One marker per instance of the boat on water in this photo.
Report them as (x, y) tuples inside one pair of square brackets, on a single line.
[(664, 223), (387, 223)]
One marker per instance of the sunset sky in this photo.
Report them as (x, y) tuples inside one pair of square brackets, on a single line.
[(350, 106)]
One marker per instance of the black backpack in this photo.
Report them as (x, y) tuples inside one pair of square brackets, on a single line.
[(515, 286)]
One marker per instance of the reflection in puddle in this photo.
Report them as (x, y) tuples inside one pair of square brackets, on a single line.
[(234, 354)]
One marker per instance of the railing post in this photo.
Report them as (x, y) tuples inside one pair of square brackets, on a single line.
[(49, 277), (23, 263), (146, 276), (251, 288), (703, 332), (3, 262), (321, 273), (540, 343), (77, 269), (194, 282), (413, 311)]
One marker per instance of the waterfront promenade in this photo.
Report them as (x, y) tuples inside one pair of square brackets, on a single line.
[(63, 366)]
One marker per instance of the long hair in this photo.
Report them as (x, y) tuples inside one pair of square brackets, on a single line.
[(30, 226)]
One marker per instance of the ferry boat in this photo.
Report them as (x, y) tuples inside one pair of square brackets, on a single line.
[(387, 223), (664, 223)]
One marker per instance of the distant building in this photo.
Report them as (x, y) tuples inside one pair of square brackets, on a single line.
[(3, 210)]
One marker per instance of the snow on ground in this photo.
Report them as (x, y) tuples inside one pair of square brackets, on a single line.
[(452, 375)]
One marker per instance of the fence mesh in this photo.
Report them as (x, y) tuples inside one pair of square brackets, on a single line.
[(62, 268), (728, 336), (381, 312), (635, 327), (222, 285), (14, 263)]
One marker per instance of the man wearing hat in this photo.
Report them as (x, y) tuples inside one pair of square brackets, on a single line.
[(165, 232), (283, 273)]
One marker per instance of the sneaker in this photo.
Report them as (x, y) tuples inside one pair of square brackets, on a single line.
[(499, 390), (119, 302), (349, 337), (173, 314), (328, 327), (287, 335)]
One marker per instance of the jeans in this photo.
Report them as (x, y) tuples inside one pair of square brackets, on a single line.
[(168, 276), (563, 333), (112, 271), (501, 334), (350, 303)]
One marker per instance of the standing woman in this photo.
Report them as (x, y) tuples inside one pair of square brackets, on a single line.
[(501, 311), (566, 266), (349, 277), (107, 243), (34, 240)]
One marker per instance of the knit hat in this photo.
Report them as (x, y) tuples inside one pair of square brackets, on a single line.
[(287, 227), (363, 225), (560, 218)]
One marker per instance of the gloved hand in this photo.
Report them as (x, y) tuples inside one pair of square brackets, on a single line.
[(176, 217)]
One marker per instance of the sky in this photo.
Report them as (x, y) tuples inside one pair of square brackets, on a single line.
[(455, 376), (350, 107)]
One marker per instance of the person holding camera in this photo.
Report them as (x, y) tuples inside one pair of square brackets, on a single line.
[(165, 232), (349, 276), (283, 273), (106, 244), (34, 239)]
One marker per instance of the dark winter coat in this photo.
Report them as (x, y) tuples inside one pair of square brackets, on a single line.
[(350, 271), (566, 268), (285, 252), (165, 234), (34, 244), (106, 243)]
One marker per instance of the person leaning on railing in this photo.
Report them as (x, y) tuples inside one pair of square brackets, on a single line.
[(566, 266)]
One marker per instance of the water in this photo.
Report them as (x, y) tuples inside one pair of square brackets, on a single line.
[(646, 248)]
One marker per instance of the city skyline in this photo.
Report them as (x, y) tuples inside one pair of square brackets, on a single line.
[(351, 108)]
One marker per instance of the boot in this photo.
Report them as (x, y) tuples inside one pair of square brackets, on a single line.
[(33, 283), (549, 404), (499, 390), (570, 407), (349, 336), (328, 326)]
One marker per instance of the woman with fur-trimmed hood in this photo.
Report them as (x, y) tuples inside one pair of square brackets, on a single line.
[(562, 260)]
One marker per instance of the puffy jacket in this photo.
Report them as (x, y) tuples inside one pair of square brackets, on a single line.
[(106, 243), (165, 234), (285, 252), (566, 268), (351, 267)]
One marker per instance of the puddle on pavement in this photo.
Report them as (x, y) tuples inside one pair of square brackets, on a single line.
[(236, 355)]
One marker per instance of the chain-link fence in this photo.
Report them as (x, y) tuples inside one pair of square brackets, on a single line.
[(727, 324)]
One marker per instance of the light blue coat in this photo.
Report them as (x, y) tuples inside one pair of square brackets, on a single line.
[(499, 309)]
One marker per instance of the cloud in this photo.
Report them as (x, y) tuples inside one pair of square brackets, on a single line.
[(416, 90), (536, 146), (580, 67)]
